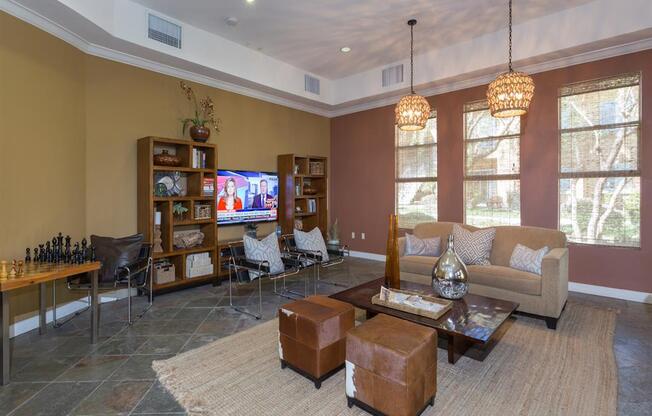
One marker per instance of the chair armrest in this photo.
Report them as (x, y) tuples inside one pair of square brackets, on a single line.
[(340, 251), (309, 254), (135, 267), (401, 246), (293, 260), (554, 281), (249, 264)]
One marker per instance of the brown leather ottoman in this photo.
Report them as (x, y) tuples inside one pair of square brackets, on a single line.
[(312, 336), (391, 366)]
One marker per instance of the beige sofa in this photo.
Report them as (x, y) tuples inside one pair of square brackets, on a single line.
[(543, 295)]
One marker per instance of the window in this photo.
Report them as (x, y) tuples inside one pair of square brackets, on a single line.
[(492, 194), (599, 171), (416, 175)]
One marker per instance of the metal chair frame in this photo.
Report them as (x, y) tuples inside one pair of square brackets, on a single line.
[(238, 262), (315, 258), (123, 276)]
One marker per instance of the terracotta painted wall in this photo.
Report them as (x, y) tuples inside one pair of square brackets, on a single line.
[(70, 123), (362, 159)]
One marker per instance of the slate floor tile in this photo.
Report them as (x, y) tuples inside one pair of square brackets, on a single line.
[(45, 368), (113, 398), (138, 367), (158, 400), (93, 368), (56, 399), (15, 394), (163, 344)]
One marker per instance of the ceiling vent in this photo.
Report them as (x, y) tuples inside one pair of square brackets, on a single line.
[(311, 84), (392, 75), (164, 31)]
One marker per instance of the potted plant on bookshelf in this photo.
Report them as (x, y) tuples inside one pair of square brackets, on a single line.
[(179, 211), (204, 113)]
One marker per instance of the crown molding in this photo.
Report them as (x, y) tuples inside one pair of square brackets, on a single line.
[(23, 13), (455, 85)]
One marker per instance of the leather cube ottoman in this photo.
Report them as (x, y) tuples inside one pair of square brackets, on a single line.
[(312, 336), (391, 366)]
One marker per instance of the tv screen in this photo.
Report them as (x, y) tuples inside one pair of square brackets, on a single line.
[(246, 196)]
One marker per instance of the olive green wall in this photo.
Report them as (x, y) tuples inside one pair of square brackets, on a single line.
[(68, 146)]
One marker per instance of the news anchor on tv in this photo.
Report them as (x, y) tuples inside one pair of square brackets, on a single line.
[(230, 201), (263, 199)]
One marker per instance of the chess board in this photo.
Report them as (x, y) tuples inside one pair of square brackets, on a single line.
[(35, 273)]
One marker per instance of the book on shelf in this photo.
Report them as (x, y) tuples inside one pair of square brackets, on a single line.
[(208, 187), (198, 159)]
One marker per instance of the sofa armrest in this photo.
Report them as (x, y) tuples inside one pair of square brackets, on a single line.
[(554, 281), (401, 246)]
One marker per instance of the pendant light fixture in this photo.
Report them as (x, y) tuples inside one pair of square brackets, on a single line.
[(412, 111), (510, 94)]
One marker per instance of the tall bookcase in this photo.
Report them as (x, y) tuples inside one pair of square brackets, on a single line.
[(303, 193), (192, 184)]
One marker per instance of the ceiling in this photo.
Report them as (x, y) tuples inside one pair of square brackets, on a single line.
[(309, 34)]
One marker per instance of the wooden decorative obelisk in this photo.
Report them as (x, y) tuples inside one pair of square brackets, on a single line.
[(392, 273)]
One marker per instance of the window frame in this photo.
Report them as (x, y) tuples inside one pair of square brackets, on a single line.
[(429, 179), (491, 177), (637, 173)]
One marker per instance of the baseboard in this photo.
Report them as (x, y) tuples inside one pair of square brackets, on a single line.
[(611, 292), (22, 326), (368, 256)]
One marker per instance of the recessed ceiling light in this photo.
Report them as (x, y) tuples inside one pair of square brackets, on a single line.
[(250, 1), (345, 49)]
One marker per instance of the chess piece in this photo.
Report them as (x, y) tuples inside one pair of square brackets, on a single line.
[(68, 254), (20, 271), (12, 272), (36, 254), (48, 252), (3, 269), (28, 258), (84, 250), (60, 246), (93, 258), (75, 253), (41, 253)]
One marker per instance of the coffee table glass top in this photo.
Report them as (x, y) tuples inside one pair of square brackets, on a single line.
[(473, 317)]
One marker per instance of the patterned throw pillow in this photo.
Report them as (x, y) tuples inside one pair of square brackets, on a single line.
[(415, 246), (528, 260), (473, 247), (265, 249), (312, 241)]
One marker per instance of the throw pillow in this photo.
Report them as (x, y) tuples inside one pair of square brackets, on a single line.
[(415, 246), (266, 249), (473, 247), (312, 241), (528, 260)]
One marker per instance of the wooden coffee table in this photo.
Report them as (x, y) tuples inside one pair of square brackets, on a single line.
[(473, 320)]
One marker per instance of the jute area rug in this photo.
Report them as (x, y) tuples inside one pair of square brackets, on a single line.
[(531, 371)]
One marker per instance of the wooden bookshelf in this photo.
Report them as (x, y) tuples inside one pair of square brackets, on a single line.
[(299, 183), (149, 203)]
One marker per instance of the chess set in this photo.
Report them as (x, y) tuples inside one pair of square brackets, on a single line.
[(57, 253)]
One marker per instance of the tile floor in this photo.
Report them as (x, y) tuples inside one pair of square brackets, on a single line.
[(60, 373)]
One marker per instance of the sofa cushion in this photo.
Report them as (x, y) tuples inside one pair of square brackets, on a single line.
[(473, 247), (533, 237), (418, 264), (415, 246), (505, 278)]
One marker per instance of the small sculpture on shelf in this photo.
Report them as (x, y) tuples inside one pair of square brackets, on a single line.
[(179, 211), (188, 239)]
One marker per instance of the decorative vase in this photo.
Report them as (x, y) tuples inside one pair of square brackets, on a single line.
[(392, 273), (166, 159), (450, 279), (200, 133)]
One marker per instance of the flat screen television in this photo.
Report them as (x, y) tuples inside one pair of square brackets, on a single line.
[(246, 196)]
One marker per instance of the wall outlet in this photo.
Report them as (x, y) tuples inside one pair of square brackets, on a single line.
[(353, 235), (362, 235)]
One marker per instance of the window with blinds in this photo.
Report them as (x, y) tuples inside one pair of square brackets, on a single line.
[(492, 194), (599, 167), (416, 175)]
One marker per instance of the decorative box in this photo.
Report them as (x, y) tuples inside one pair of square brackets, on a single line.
[(316, 168), (164, 272)]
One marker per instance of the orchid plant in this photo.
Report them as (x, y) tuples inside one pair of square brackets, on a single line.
[(204, 110)]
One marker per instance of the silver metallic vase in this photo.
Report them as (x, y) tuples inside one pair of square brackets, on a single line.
[(450, 279)]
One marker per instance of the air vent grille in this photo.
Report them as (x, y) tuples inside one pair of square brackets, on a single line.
[(311, 84), (392, 75), (164, 31)]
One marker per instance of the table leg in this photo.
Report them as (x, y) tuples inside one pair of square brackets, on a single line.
[(42, 309), (95, 315), (5, 348), (456, 348)]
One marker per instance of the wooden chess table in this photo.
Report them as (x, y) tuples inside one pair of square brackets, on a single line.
[(40, 274)]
